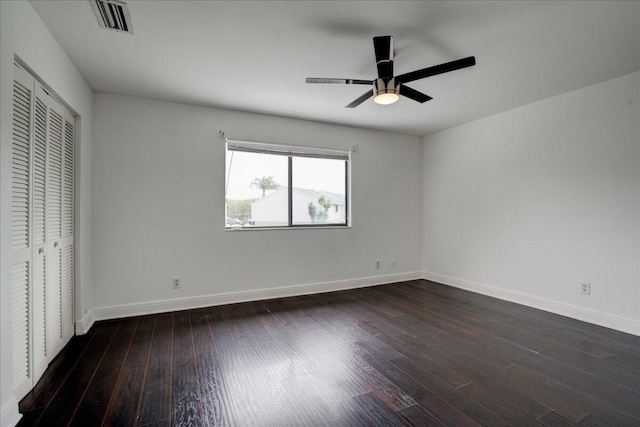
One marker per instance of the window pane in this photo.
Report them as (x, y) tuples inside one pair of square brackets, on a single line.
[(256, 192), (319, 191)]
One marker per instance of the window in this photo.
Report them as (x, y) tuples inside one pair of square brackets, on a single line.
[(269, 185)]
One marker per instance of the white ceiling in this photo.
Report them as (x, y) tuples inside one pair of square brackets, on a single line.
[(254, 56)]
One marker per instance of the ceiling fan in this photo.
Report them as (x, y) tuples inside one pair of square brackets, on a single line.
[(387, 88)]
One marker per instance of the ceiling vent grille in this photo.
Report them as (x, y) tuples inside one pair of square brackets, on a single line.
[(112, 15)]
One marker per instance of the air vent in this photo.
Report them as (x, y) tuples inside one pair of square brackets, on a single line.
[(112, 15)]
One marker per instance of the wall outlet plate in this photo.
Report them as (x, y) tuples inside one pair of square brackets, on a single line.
[(585, 288), (176, 282)]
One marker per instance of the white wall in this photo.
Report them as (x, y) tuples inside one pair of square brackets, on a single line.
[(526, 204), (23, 34), (158, 212)]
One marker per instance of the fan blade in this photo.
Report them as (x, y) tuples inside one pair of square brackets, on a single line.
[(360, 100), (339, 81), (414, 94), (383, 47), (436, 69)]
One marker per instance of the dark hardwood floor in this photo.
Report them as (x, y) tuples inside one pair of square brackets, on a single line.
[(413, 353)]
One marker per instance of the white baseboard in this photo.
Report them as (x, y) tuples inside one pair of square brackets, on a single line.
[(83, 325), (163, 306), (620, 324), (10, 414)]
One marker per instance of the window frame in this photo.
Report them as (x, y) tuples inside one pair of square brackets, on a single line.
[(291, 151)]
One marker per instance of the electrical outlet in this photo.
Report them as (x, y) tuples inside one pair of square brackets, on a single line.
[(377, 264), (585, 288), (176, 282), (393, 262)]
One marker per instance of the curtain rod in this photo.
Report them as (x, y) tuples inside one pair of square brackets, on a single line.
[(224, 137)]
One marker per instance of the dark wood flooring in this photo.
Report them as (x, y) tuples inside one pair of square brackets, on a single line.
[(413, 353)]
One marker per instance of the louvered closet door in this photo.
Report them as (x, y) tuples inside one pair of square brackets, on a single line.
[(21, 232), (53, 225), (38, 219), (66, 241)]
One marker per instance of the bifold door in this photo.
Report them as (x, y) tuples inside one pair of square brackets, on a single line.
[(41, 229)]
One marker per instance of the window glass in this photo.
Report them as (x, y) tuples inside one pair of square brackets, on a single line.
[(256, 190), (318, 195)]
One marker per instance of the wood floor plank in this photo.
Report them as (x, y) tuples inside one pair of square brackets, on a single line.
[(555, 419), (331, 321), (501, 406), (485, 372), (219, 328), (454, 347), (377, 412), (239, 330), (95, 402), (597, 389), (217, 410), (121, 342), (439, 364), (56, 373), (186, 407), (493, 380), (156, 395), (272, 325), (380, 386), (432, 402), (551, 394), (253, 324), (125, 402), (416, 415), (30, 417), (604, 419), (598, 367), (454, 397), (356, 315), (68, 397), (201, 331), (141, 344), (162, 423)]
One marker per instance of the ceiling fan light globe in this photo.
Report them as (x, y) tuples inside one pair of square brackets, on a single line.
[(386, 98)]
